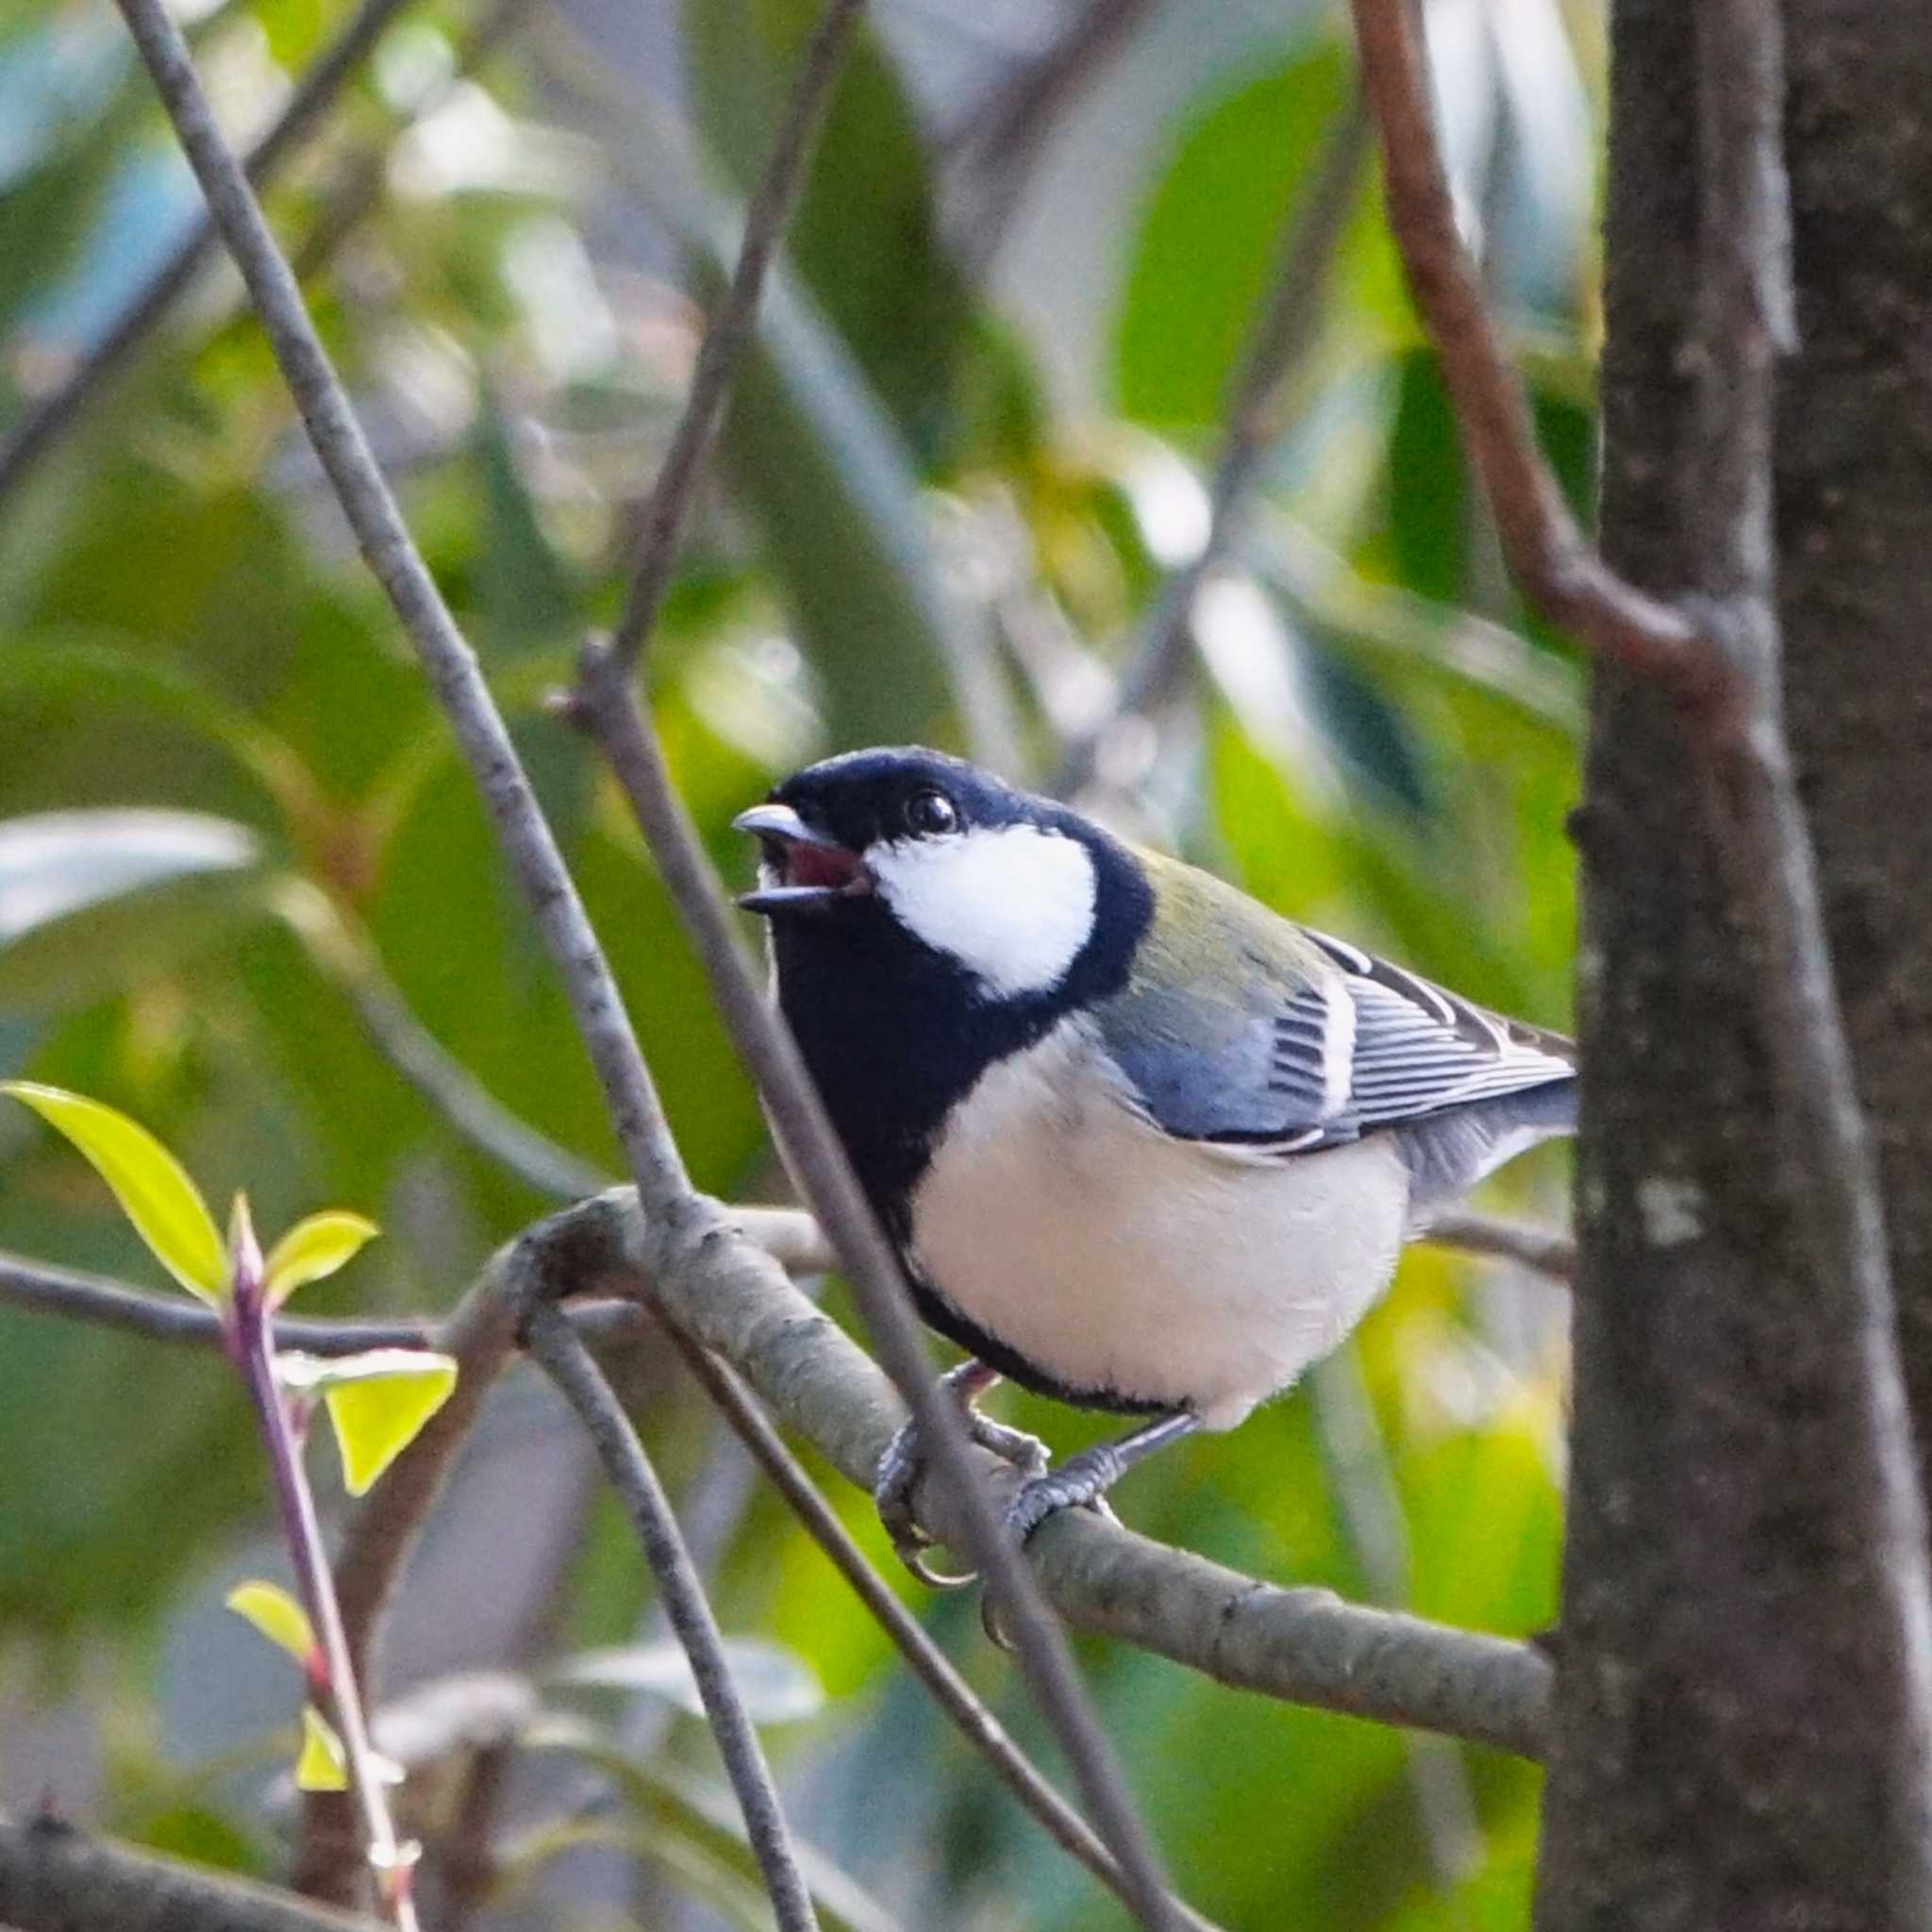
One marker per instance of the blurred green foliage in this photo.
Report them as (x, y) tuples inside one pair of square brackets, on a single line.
[(227, 809)]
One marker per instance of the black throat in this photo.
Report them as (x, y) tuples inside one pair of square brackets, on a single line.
[(895, 1034)]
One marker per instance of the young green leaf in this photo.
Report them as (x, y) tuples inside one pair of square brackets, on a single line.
[(313, 1248), (151, 1185), (377, 1400), (324, 1765), (277, 1615)]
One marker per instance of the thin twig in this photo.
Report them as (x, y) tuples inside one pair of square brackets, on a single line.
[(91, 375), (928, 1662), (1557, 567), (553, 1342), (1539, 1248), (252, 1349), (791, 1239), (1283, 336), (1001, 145), (608, 707), (730, 330), (456, 1094)]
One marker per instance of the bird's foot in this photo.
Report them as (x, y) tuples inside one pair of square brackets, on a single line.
[(1081, 1483), (904, 1462)]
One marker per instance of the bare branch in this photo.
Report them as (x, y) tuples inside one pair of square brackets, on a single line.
[(730, 330), (1283, 335), (791, 1239), (454, 673), (608, 707), (54, 1877), (551, 1340), (1555, 565), (1540, 1248), (57, 413), (1001, 144), (733, 1300)]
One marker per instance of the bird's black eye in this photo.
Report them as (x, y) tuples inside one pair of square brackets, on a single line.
[(928, 813)]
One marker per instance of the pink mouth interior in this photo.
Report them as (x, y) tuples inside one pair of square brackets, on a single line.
[(821, 865)]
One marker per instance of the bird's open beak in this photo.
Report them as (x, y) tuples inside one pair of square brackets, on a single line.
[(803, 868)]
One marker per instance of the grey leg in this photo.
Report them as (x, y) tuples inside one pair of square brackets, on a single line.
[(901, 1465), (1082, 1480)]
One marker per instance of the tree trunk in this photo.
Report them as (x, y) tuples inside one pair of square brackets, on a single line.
[(1855, 533), (1738, 1741)]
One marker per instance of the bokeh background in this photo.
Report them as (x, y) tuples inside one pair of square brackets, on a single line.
[(244, 878)]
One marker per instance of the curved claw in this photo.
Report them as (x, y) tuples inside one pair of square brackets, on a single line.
[(1044, 1496), (902, 1465)]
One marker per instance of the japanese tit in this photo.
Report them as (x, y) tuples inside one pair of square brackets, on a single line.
[(1142, 1144)]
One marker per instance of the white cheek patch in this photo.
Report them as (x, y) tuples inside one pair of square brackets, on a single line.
[(1013, 904)]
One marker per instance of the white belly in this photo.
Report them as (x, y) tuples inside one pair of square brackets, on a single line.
[(1117, 1258)]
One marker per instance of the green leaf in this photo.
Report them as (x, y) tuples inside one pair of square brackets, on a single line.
[(151, 1185), (379, 1401), (324, 1765), (1211, 239), (277, 1615), (313, 1248), (91, 901)]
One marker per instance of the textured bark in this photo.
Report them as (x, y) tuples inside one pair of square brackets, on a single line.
[(1737, 1741), (1855, 536)]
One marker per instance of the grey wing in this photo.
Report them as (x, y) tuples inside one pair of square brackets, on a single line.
[(1366, 1047)]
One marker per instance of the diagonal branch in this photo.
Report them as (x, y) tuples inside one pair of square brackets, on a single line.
[(729, 333), (608, 707), (455, 674), (1555, 564), (556, 1344), (927, 1662)]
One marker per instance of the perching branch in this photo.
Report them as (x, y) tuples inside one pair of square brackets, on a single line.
[(57, 413), (1541, 1249), (54, 1877), (1556, 566), (729, 332), (552, 1341), (1304, 1645)]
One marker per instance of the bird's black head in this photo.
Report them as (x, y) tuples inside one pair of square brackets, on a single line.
[(926, 920), (1001, 886)]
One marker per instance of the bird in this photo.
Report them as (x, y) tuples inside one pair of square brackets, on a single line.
[(1141, 1143)]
